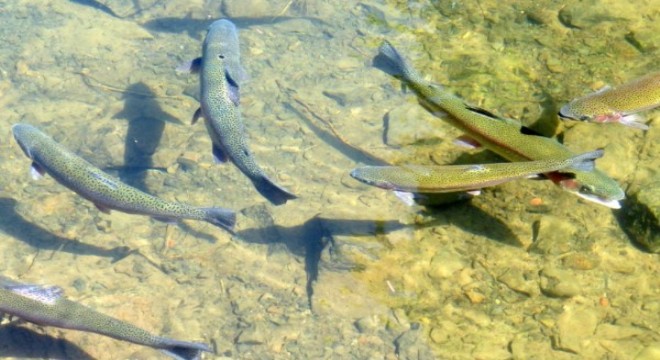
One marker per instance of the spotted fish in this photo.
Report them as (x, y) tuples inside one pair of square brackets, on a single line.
[(451, 178), (620, 104), (106, 192), (46, 305), (220, 79), (506, 137)]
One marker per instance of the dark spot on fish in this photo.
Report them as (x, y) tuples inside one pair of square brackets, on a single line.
[(221, 57)]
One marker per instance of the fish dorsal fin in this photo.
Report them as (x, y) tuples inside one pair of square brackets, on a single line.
[(482, 111), (44, 294)]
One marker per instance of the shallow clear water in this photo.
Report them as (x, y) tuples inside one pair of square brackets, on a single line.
[(345, 271)]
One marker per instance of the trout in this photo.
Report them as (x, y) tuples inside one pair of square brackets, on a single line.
[(106, 192), (506, 137), (46, 305), (220, 80), (452, 178), (620, 104)]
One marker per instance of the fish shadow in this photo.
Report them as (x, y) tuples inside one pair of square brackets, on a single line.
[(146, 124), (15, 225), (316, 236), (310, 239), (23, 343), (634, 224)]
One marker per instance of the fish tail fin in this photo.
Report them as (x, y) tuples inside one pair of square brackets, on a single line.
[(587, 161), (183, 350), (391, 62), (276, 194), (221, 217), (634, 121)]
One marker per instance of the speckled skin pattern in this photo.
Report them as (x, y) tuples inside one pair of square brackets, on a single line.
[(436, 179), (103, 190), (222, 114), (637, 95), (67, 314), (505, 137)]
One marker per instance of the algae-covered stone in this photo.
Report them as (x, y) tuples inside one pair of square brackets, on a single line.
[(641, 217)]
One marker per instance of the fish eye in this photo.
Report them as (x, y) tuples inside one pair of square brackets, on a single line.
[(584, 117), (586, 190)]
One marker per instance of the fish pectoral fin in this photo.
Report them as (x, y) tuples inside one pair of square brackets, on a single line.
[(233, 89), (102, 208), (219, 156), (43, 294), (197, 115), (634, 121), (467, 142), (407, 198), (191, 67), (37, 171)]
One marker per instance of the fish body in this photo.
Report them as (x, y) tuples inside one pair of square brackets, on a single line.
[(619, 104), (106, 192), (506, 137), (46, 305), (218, 69), (452, 178)]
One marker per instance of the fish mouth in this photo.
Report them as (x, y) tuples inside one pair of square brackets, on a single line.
[(610, 203), (562, 114)]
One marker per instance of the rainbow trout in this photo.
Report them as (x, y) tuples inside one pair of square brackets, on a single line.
[(106, 192), (618, 104), (46, 305), (451, 178), (220, 77), (506, 137)]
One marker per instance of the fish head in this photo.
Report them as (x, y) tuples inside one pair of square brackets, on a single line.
[(576, 110), (594, 186), (24, 135)]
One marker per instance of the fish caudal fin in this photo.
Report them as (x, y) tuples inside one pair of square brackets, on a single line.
[(586, 161), (221, 217), (183, 350), (276, 194), (390, 61), (634, 121)]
